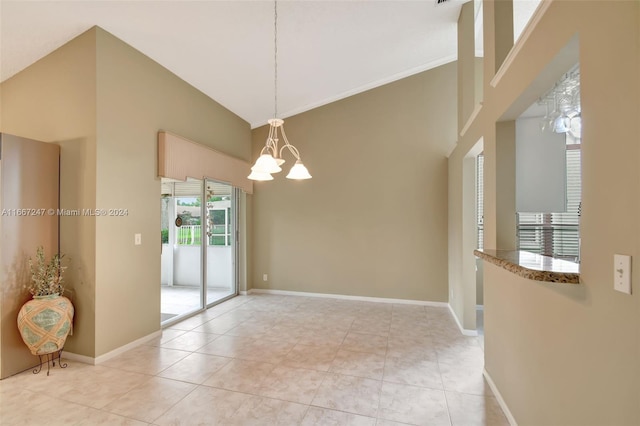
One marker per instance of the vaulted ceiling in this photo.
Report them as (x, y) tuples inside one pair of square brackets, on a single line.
[(327, 50)]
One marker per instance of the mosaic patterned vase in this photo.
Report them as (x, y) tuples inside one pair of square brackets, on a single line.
[(44, 323)]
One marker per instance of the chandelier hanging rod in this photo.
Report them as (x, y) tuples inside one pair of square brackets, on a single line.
[(270, 158)]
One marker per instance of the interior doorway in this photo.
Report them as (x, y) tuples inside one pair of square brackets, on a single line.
[(198, 259)]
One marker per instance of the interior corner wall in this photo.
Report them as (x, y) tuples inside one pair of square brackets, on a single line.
[(373, 220), (54, 100), (559, 354), (136, 97)]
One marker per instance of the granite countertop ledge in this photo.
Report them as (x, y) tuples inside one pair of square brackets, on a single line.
[(533, 266)]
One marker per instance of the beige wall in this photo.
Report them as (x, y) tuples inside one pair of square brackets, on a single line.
[(104, 102), (569, 355), (373, 220), (136, 98), (462, 175), (55, 100)]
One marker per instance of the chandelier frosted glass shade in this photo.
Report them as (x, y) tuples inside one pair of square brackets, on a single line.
[(299, 171), (260, 176), (270, 158), (266, 164)]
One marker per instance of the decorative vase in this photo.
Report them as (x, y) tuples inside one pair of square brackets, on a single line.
[(44, 323)]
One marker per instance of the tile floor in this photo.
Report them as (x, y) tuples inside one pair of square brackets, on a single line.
[(180, 300), (274, 360)]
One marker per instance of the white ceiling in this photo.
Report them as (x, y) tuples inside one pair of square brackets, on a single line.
[(327, 50)]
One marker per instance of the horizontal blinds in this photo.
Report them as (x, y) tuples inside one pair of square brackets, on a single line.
[(193, 188), (480, 201), (556, 234)]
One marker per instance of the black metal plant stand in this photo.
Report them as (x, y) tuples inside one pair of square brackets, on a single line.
[(50, 358)]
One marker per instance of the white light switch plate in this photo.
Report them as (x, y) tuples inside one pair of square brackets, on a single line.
[(137, 239), (622, 273)]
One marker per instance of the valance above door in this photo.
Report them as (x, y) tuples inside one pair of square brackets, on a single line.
[(179, 158)]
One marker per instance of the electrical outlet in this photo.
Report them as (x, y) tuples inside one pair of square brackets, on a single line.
[(622, 273), (265, 277), (137, 238)]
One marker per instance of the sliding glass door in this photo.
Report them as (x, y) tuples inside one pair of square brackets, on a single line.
[(220, 255), (198, 246)]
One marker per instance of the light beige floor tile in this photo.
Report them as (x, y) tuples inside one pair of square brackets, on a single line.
[(219, 325), (113, 383), (195, 368), (150, 400), (265, 350), (241, 376), (473, 410), (40, 382), (204, 406), (285, 332), (190, 323), (98, 417), (413, 354), (461, 354), (464, 378), (322, 338), (355, 395), (312, 357), (452, 339), (324, 417), (167, 335), (146, 359), (257, 411), (368, 326), (412, 372), (359, 342), (292, 333), (12, 404), (31, 408), (252, 328), (407, 309), (12, 385), (383, 422), (190, 341), (77, 383), (361, 364), (413, 405), (228, 346), (179, 326), (292, 384), (411, 343)]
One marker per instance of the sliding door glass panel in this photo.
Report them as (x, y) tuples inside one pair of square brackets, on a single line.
[(220, 241), (181, 276)]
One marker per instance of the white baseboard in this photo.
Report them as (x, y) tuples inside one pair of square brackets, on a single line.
[(80, 358), (464, 331), (244, 293), (111, 354), (501, 401), (346, 297)]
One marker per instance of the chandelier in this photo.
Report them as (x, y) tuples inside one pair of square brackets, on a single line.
[(270, 158)]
